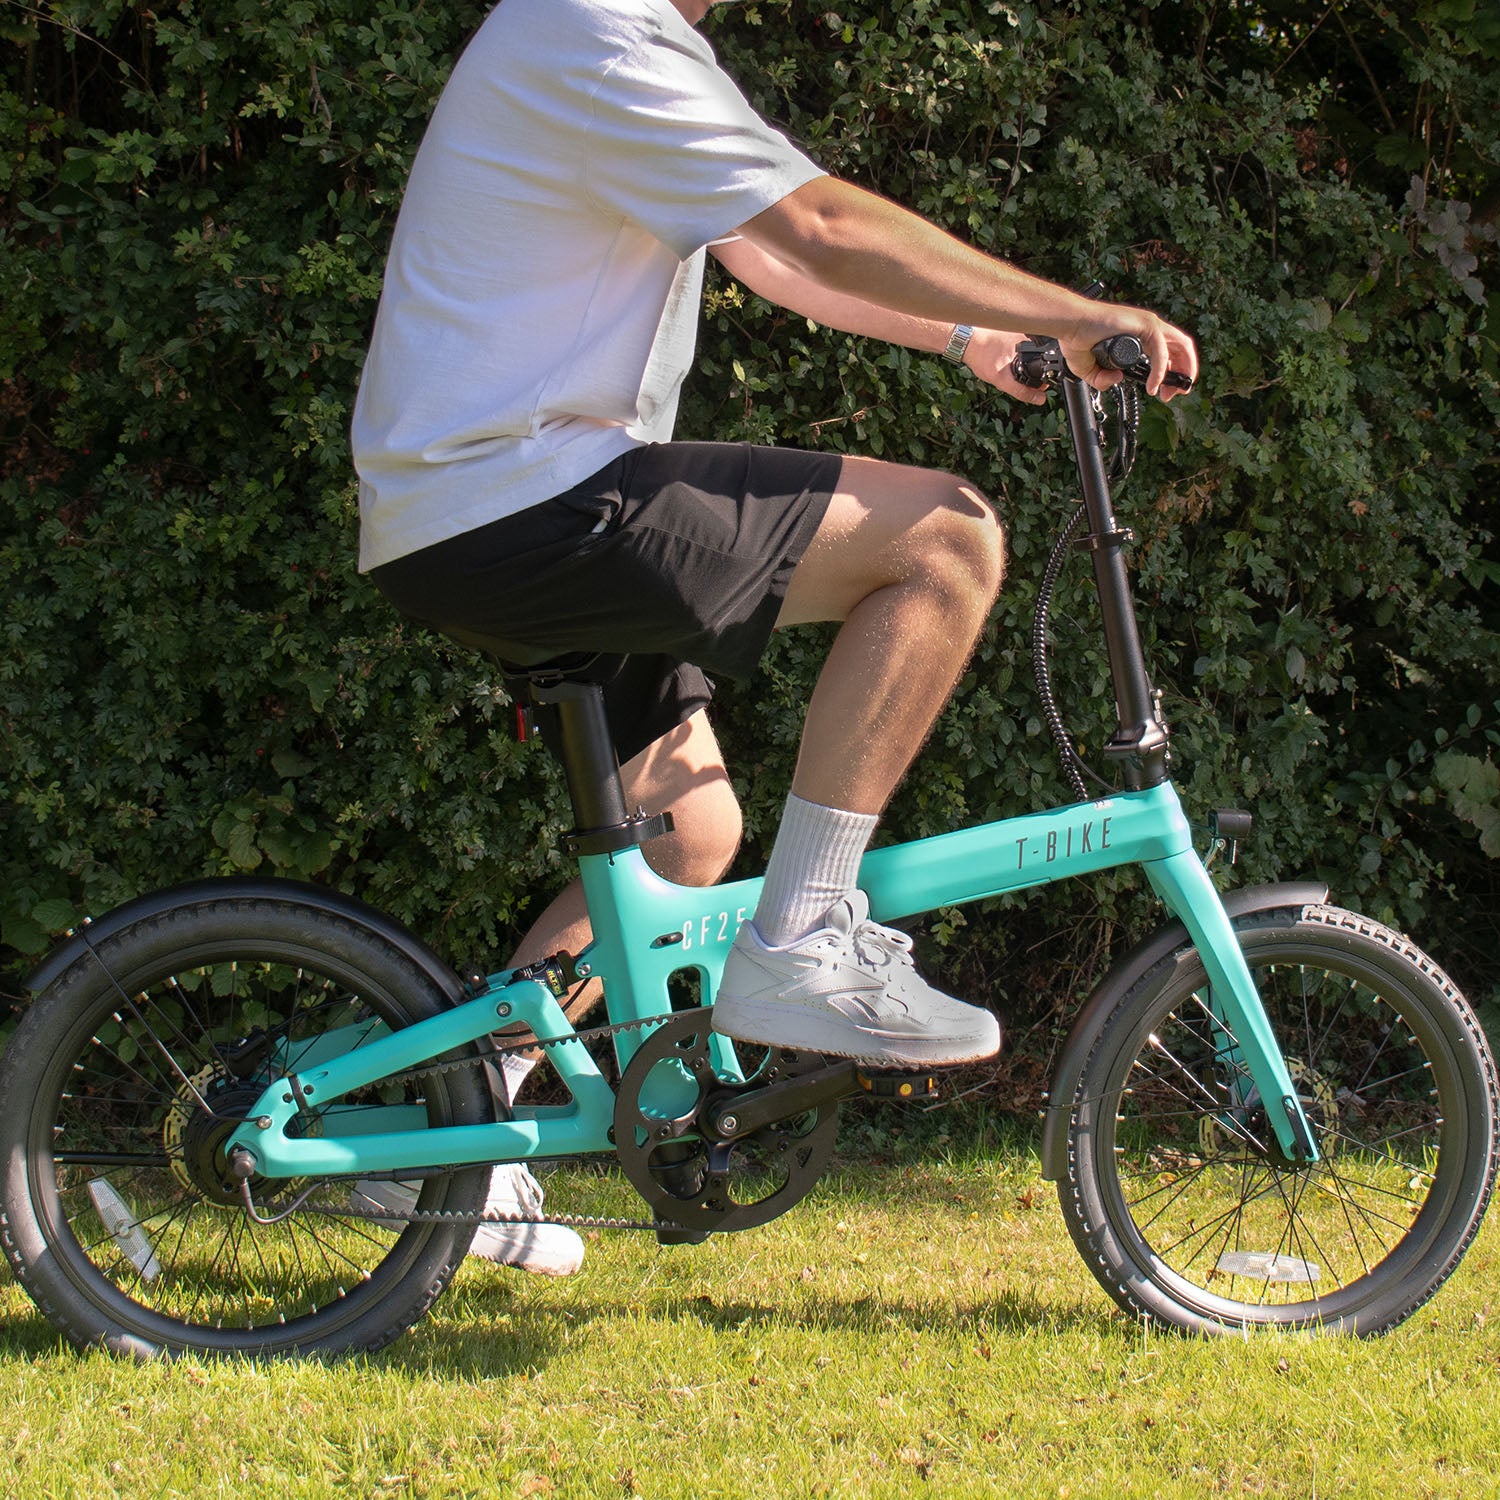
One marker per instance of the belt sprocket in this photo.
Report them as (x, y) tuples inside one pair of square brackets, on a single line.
[(669, 1151)]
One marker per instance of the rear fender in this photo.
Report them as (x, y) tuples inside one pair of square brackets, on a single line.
[(239, 888), (1117, 984)]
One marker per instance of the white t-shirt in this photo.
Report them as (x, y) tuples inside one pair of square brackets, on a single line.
[(541, 298)]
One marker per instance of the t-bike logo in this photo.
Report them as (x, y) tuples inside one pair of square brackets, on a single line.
[(1076, 838), (1087, 837)]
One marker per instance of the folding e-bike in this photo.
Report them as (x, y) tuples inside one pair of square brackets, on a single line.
[(1269, 1112)]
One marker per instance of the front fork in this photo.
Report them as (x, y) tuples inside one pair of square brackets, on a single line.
[(1246, 1041)]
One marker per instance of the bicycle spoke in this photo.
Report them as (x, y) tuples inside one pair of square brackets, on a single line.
[(1195, 1174)]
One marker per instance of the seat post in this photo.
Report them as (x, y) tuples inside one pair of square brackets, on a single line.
[(587, 751)]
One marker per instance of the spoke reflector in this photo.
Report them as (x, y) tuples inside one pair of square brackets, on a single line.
[(1265, 1265), (124, 1228)]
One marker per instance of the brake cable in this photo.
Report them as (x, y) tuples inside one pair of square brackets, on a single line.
[(1037, 363)]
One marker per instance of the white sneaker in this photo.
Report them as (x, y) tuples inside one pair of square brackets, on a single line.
[(849, 989), (551, 1249)]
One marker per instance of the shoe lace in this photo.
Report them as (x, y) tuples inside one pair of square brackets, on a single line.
[(514, 1190), (882, 947)]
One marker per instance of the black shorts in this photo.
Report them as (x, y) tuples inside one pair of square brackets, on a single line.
[(669, 562)]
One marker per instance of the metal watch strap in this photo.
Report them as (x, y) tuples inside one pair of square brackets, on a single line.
[(958, 341)]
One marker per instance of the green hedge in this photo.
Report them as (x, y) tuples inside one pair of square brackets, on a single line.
[(194, 207)]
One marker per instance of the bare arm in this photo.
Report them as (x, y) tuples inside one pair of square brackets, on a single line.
[(857, 248), (989, 353)]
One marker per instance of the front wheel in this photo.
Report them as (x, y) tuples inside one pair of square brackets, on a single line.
[(1176, 1193), (119, 1093)]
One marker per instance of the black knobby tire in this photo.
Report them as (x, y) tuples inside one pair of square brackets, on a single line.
[(1175, 1193), (116, 1210)]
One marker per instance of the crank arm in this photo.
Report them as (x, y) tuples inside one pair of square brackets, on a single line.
[(728, 1116)]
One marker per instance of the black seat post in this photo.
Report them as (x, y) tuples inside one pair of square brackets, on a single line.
[(587, 750)]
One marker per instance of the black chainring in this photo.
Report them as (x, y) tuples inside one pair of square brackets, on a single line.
[(691, 1177)]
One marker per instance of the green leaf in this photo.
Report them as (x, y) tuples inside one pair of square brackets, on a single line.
[(241, 845), (290, 763), (56, 915)]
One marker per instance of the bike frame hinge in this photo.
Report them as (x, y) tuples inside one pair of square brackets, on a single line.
[(1142, 740)]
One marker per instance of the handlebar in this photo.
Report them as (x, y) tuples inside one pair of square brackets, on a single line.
[(1040, 360)]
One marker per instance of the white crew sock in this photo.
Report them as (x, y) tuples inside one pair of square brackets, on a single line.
[(814, 862), (505, 1080), (515, 1068)]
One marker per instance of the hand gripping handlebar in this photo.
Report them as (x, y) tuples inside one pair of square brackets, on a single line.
[(1123, 352), (1040, 360)]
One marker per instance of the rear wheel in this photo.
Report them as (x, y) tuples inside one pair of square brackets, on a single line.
[(120, 1216), (1176, 1193)]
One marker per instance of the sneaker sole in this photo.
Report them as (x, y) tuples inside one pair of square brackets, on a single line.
[(775, 1023)]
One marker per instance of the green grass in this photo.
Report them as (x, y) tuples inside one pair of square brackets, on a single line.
[(919, 1327)]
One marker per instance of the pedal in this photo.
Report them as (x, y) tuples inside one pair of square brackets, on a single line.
[(681, 1236), (906, 1086)]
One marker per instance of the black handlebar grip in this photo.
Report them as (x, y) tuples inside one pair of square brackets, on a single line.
[(1121, 351)]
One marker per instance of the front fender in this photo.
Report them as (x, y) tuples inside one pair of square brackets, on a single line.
[(1116, 984), (238, 888)]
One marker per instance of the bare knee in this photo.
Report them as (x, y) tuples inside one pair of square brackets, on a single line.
[(706, 829), (961, 546)]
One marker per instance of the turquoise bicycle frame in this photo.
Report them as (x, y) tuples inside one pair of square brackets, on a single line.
[(646, 929)]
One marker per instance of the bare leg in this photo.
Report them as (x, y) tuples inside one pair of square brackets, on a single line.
[(682, 773), (910, 560)]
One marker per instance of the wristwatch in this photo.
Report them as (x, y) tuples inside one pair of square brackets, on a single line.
[(958, 341)]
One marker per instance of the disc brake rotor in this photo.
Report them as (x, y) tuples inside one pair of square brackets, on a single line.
[(687, 1175), (196, 1142), (1319, 1100)]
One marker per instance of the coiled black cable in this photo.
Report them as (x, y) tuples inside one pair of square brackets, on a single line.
[(1128, 410), (1040, 667)]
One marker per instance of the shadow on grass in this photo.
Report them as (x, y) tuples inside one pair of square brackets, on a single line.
[(28, 1335), (512, 1332), (449, 1345), (495, 1327)]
